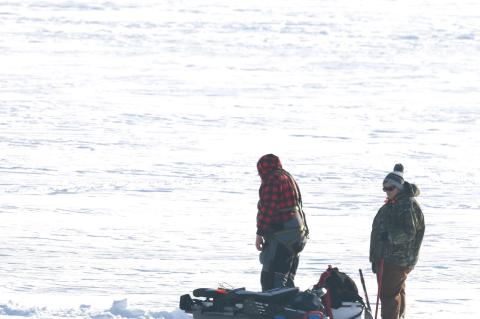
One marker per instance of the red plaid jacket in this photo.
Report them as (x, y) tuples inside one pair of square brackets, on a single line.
[(278, 192)]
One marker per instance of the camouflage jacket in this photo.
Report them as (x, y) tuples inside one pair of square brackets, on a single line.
[(398, 228)]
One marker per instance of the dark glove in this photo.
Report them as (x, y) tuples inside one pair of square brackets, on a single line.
[(374, 267), (384, 236)]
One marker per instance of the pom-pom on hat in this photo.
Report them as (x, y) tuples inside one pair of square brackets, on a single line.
[(395, 178)]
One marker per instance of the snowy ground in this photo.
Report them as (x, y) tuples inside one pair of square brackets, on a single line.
[(129, 135)]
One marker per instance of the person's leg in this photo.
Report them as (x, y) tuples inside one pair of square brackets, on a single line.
[(266, 280), (403, 299), (282, 266), (267, 259), (293, 270), (393, 281)]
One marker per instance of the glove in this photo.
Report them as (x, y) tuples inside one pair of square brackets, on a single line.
[(259, 243), (374, 267)]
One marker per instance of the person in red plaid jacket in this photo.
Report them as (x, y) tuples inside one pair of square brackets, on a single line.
[(282, 230)]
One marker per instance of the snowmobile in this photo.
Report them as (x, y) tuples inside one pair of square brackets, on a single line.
[(334, 297)]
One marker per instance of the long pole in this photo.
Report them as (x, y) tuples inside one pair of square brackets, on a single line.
[(364, 289), (368, 310), (379, 281)]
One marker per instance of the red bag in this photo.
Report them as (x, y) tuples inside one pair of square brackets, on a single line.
[(340, 288), (326, 299)]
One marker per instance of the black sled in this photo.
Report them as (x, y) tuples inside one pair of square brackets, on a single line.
[(280, 303)]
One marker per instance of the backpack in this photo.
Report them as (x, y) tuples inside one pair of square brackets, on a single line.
[(340, 287)]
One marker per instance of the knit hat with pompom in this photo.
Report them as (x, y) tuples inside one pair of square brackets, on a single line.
[(395, 178)]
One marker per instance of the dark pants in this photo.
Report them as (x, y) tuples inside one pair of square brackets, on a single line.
[(393, 291), (279, 266)]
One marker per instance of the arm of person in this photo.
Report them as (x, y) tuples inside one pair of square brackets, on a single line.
[(259, 242), (267, 205), (376, 242)]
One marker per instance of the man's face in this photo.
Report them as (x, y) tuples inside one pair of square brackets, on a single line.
[(390, 190)]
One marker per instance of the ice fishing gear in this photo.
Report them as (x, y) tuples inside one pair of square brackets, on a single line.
[(364, 289), (368, 313), (278, 303), (379, 281), (243, 304), (341, 290)]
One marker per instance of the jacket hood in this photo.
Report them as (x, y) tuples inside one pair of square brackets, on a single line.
[(411, 190), (268, 163)]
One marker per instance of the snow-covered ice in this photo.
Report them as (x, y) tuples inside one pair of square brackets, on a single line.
[(130, 130)]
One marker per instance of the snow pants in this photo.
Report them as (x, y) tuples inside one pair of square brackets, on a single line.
[(279, 265), (393, 291)]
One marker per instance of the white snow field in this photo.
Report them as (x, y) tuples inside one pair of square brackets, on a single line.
[(130, 132)]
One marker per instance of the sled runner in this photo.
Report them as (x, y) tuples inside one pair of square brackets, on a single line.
[(331, 299)]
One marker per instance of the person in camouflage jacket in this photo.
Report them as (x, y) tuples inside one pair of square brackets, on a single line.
[(396, 237)]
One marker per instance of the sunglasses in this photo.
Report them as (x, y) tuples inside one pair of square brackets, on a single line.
[(388, 189)]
